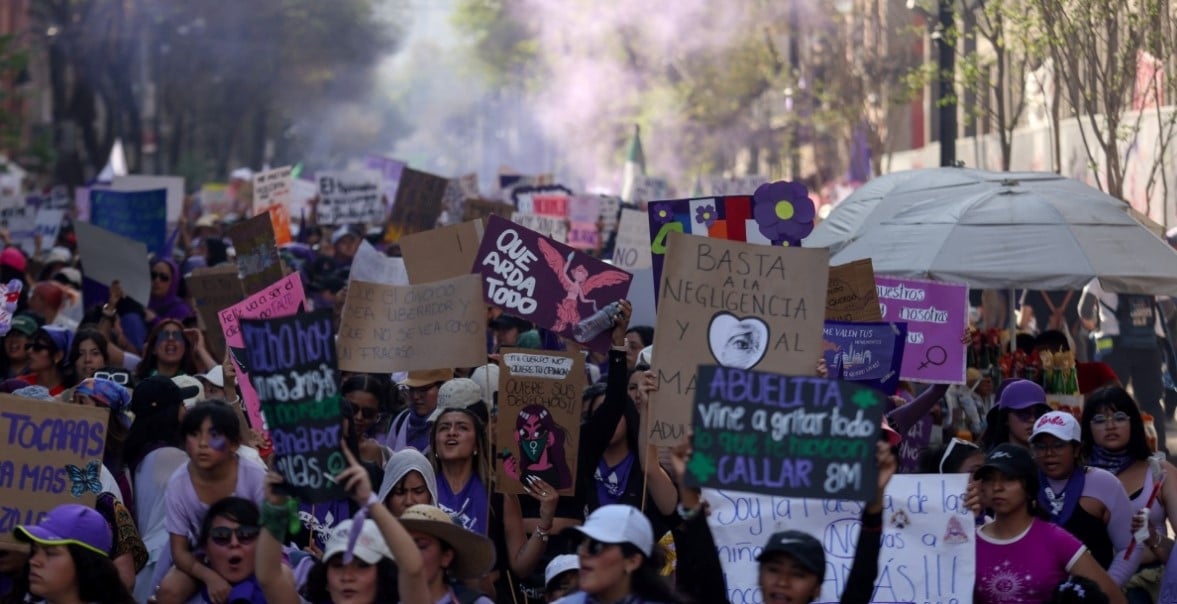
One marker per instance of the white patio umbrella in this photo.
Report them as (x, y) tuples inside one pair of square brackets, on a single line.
[(1044, 232)]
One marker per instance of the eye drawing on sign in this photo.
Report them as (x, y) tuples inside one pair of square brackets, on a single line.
[(739, 343), (541, 449), (577, 283)]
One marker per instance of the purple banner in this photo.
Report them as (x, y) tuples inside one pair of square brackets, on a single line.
[(936, 315), (548, 283), (867, 353)]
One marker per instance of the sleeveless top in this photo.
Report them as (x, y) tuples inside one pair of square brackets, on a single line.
[(1156, 514), (1093, 533)]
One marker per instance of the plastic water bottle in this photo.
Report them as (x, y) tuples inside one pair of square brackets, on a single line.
[(596, 323)]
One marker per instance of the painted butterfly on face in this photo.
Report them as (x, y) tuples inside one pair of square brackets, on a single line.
[(84, 479)]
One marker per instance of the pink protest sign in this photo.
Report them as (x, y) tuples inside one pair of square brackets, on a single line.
[(283, 298), (546, 282), (936, 315)]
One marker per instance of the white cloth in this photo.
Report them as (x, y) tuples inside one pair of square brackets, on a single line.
[(151, 480), (110, 485), (1107, 303)]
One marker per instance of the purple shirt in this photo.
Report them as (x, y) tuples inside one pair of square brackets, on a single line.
[(469, 507), (1026, 568)]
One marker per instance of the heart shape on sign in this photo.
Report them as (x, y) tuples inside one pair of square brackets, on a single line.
[(736, 342)]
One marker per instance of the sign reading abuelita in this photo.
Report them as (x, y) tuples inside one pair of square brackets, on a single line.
[(785, 435), (292, 368)]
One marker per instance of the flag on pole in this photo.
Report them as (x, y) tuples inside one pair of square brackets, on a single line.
[(635, 165)]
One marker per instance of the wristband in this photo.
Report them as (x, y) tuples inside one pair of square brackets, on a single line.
[(280, 519)]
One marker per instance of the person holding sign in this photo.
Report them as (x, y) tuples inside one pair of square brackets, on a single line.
[(1020, 556), (70, 559)]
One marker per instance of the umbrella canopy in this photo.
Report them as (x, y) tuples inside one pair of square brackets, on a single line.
[(1043, 233)]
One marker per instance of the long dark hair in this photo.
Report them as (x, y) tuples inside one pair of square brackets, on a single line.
[(41, 337), (481, 458), (150, 361), (87, 334), (1115, 398), (380, 388), (96, 577), (387, 588), (149, 430), (647, 581)]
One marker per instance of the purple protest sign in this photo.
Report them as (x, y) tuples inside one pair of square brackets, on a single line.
[(936, 315), (867, 353), (548, 283)]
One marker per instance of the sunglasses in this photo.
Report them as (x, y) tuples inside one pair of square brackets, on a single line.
[(1030, 414), (171, 335), (1118, 417), (157, 276), (122, 379), (592, 547), (367, 413), (223, 535)]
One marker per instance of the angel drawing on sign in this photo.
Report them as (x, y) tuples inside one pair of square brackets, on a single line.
[(577, 283)]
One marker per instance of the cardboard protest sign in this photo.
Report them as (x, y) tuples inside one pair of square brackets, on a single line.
[(386, 328), (281, 299), (537, 431), (852, 295), (418, 201), (138, 215), (767, 433), (549, 284), (389, 170), (484, 208), (107, 257), (739, 305), (374, 267), (867, 353), (441, 253), (936, 315), (551, 227), (583, 213), (292, 367), (143, 182), (271, 187), (52, 456), (350, 198), (214, 289), (927, 537), (631, 249), (257, 252)]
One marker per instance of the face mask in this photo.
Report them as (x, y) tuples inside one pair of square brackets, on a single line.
[(533, 447)]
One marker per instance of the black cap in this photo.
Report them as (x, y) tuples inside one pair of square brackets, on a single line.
[(158, 392), (802, 547), (1011, 460)]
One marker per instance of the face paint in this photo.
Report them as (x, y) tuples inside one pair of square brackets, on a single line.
[(218, 442)]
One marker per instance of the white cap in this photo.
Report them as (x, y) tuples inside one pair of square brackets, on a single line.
[(59, 254), (458, 393), (370, 546), (1059, 424), (215, 376), (560, 565), (617, 523), (646, 356), (487, 377), (191, 386)]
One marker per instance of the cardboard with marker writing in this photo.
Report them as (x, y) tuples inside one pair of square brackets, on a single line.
[(272, 187), (763, 432), (214, 289), (257, 252), (738, 305), (52, 456), (292, 367), (537, 430), (548, 283), (350, 198), (386, 328), (852, 295), (441, 253), (418, 203)]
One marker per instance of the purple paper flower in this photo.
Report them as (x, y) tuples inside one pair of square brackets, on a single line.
[(783, 212), (705, 215), (662, 212)]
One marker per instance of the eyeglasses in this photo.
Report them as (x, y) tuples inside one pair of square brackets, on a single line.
[(36, 347), (171, 335), (1118, 417), (952, 445), (122, 379), (1042, 448), (592, 547), (157, 276), (223, 535)]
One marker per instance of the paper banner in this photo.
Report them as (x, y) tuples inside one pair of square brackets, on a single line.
[(107, 257), (418, 202), (538, 426), (936, 315), (544, 200), (867, 353), (852, 295), (280, 299), (272, 187), (389, 170), (142, 182), (767, 433), (350, 198), (386, 328), (738, 305), (553, 228), (257, 253), (292, 367), (928, 539), (213, 290), (139, 215), (52, 456), (631, 249), (441, 253), (374, 267), (549, 284), (484, 208)]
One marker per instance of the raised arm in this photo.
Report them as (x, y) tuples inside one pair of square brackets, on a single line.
[(860, 585), (906, 416), (278, 586)]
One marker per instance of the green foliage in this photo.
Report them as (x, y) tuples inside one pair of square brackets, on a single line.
[(13, 60)]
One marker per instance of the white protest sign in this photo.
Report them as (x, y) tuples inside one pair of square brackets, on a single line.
[(271, 187), (11, 193), (107, 257), (373, 267), (350, 197), (47, 224), (141, 182), (21, 222), (928, 541), (548, 226), (631, 251), (538, 365)]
